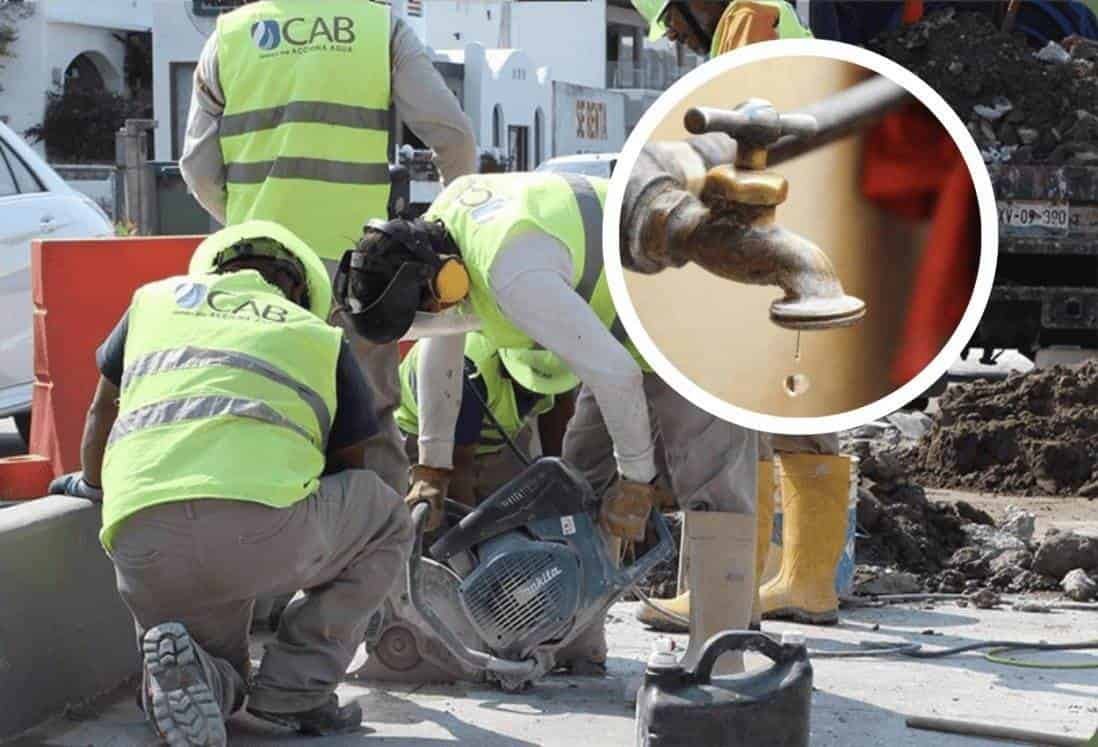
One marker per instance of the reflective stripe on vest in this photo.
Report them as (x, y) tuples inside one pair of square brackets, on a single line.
[(305, 143), (195, 408), (192, 357), (318, 112)]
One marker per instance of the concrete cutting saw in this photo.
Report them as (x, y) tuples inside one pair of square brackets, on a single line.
[(507, 586)]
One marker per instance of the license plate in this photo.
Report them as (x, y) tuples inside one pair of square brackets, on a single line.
[(1034, 214)]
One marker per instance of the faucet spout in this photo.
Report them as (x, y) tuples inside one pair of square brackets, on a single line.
[(767, 254)]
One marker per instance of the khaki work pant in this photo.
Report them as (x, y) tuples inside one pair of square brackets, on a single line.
[(379, 363), (202, 563)]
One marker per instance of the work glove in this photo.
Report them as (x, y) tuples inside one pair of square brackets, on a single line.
[(624, 511), (75, 485), (429, 485)]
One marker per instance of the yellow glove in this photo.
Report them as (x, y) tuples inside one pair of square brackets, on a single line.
[(429, 485), (624, 512)]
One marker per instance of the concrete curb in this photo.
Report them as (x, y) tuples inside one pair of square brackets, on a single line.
[(65, 635)]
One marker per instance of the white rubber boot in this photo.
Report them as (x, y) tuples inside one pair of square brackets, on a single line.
[(722, 581)]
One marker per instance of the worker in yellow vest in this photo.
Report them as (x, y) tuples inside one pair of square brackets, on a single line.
[(519, 258), (290, 122), (492, 401), (715, 27), (227, 432)]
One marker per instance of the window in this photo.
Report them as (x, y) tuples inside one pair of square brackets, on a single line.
[(539, 135), (182, 87), (7, 181), (497, 126), (25, 180)]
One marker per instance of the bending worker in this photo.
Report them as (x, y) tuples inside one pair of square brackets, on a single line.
[(519, 257), (482, 460), (227, 432), (300, 140)]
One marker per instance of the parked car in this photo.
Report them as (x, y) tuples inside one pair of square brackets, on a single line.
[(589, 164), (34, 203)]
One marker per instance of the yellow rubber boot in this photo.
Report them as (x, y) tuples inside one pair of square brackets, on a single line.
[(764, 503), (678, 606), (722, 581), (815, 500)]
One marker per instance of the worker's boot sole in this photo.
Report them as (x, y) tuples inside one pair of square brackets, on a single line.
[(179, 702), (830, 617)]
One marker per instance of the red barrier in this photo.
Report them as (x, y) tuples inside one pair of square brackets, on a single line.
[(80, 290)]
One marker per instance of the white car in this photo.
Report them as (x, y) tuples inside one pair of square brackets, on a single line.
[(35, 203), (588, 164)]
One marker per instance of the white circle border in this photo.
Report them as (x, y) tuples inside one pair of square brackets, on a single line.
[(989, 237)]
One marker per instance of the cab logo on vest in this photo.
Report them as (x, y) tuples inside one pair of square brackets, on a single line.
[(301, 35), (236, 306), (189, 295), (267, 35)]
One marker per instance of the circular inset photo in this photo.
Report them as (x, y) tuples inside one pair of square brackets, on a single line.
[(779, 231)]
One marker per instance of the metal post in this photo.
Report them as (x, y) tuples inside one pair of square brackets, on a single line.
[(138, 180)]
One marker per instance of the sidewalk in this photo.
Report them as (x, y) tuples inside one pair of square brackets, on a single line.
[(856, 701)]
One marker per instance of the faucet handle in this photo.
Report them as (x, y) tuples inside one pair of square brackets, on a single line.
[(746, 187), (755, 123)]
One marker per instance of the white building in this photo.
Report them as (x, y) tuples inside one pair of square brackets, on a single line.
[(509, 101), (65, 40), (568, 36)]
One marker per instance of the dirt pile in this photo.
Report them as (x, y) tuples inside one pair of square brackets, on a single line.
[(1032, 433), (1018, 105), (899, 528)]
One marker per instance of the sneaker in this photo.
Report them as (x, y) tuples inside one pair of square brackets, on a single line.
[(330, 718), (177, 699)]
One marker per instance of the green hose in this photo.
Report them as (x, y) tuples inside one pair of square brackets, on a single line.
[(994, 656)]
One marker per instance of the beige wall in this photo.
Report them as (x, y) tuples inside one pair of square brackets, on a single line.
[(718, 333)]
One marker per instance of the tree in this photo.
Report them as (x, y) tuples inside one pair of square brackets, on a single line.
[(10, 15), (80, 125)]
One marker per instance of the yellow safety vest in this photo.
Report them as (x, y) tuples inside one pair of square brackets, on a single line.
[(305, 132)]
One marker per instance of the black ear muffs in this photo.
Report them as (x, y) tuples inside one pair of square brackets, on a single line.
[(449, 282)]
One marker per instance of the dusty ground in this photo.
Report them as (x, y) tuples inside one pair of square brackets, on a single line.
[(856, 701)]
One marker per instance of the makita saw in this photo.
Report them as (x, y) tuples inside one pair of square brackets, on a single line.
[(514, 581)]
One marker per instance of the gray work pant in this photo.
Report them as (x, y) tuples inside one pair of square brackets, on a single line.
[(379, 363), (202, 563), (708, 462)]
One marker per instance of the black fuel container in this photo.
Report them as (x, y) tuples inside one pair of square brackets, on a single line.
[(679, 707)]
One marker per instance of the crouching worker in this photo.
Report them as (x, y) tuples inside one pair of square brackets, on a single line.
[(227, 433), (483, 461)]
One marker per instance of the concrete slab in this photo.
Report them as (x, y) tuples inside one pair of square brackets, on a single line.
[(64, 633), (856, 701)]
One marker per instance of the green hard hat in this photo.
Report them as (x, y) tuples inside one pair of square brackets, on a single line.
[(651, 10), (265, 238), (540, 371)]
